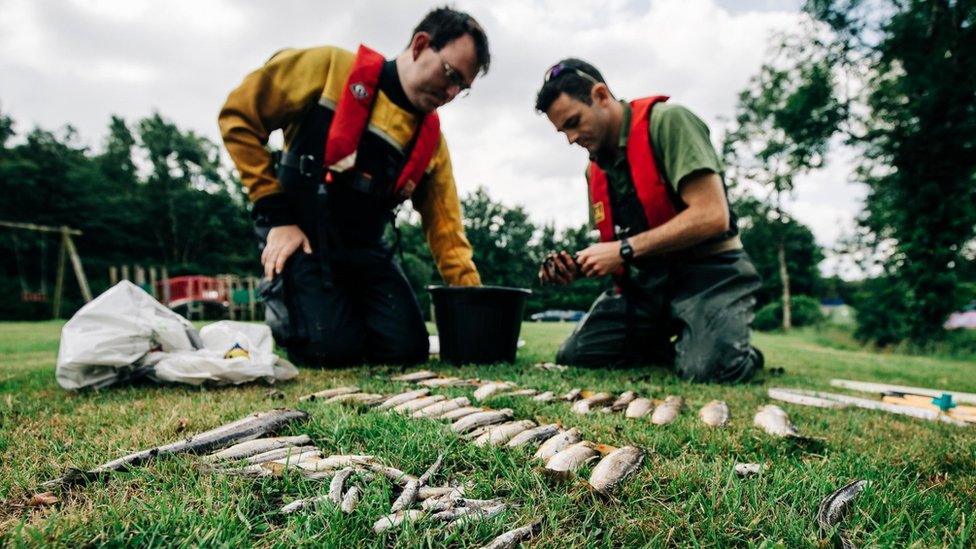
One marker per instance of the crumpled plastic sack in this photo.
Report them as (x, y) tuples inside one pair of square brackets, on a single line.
[(125, 333)]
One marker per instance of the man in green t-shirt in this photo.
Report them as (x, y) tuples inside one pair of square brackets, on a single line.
[(683, 285)]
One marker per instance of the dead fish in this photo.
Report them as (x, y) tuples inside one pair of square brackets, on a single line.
[(396, 519), (437, 492), (350, 500), (748, 469), (551, 367), (536, 434), (293, 458), (715, 413), (572, 395), (571, 458), (299, 504), (584, 405), (254, 471), (614, 467), (497, 435), (279, 453), (668, 410), (557, 443), (391, 473), (366, 399), (544, 397), (455, 415), (409, 493), (412, 406), (443, 407), (514, 537), (255, 447), (445, 503), (833, 508), (481, 419), (490, 388), (773, 420), (477, 514), (414, 377), (447, 382), (330, 463), (248, 428), (337, 484), (329, 393), (518, 393), (623, 400), (639, 407), (399, 399)]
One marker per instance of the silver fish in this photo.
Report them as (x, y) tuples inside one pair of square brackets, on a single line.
[(623, 400), (413, 377), (426, 493), (544, 397), (572, 395), (639, 407), (514, 537), (409, 493), (254, 471), (557, 443), (477, 514), (338, 483), (614, 467), (584, 405), (365, 399), (773, 420), (518, 393), (292, 460), (571, 458), (480, 419), (833, 508), (445, 503), (396, 519), (490, 388), (455, 415), (551, 367), (715, 413), (391, 473), (668, 410), (280, 453), (407, 396), (350, 500), (248, 428), (299, 504), (748, 469), (257, 446), (412, 406), (442, 407), (448, 382), (330, 463), (537, 434), (497, 435), (329, 393)]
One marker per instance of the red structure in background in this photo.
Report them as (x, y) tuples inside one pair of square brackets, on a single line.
[(182, 290)]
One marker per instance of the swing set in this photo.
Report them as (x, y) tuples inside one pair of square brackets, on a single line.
[(68, 251)]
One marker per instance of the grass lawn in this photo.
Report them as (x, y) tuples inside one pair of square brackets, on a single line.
[(922, 491)]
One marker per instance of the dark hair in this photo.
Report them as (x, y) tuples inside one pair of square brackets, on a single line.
[(445, 25), (571, 76)]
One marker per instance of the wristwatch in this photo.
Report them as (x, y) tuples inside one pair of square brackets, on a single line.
[(626, 250)]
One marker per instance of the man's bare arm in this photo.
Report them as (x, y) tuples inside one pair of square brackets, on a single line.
[(706, 216)]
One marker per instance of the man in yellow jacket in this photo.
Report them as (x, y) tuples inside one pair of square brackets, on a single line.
[(361, 135)]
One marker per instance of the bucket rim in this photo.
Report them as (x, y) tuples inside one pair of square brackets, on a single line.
[(511, 289)]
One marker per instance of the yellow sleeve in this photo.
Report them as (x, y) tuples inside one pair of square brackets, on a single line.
[(440, 214), (270, 98)]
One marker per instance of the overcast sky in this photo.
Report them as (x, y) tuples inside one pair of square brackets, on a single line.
[(80, 61)]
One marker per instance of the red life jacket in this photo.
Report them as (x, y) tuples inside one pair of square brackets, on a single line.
[(352, 116), (652, 189)]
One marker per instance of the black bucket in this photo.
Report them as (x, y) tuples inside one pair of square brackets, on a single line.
[(478, 324)]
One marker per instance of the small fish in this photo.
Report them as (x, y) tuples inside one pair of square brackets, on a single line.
[(399, 399), (338, 483), (438, 492), (572, 395), (299, 504), (715, 413), (442, 407), (455, 415), (452, 513), (391, 473), (350, 500), (518, 393), (557, 443), (255, 447), (551, 367), (365, 399), (639, 407), (412, 406), (773, 420), (614, 467), (584, 405), (537, 434), (544, 397), (833, 508), (447, 382), (407, 496), (481, 419), (668, 410), (280, 453), (396, 519), (253, 471), (514, 537), (497, 435), (623, 400), (571, 458), (330, 463), (445, 503), (329, 393), (293, 458), (414, 377), (477, 514), (490, 388), (748, 469)]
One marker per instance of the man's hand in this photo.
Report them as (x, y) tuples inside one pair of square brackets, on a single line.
[(282, 242), (600, 259), (558, 268)]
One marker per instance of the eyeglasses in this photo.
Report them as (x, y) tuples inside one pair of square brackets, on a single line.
[(562, 68), (455, 78)]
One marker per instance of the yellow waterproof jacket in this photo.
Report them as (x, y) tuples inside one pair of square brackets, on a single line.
[(277, 95)]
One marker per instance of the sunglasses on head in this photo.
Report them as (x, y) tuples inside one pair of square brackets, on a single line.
[(562, 68)]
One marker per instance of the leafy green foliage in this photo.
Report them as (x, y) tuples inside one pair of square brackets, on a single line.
[(806, 312)]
